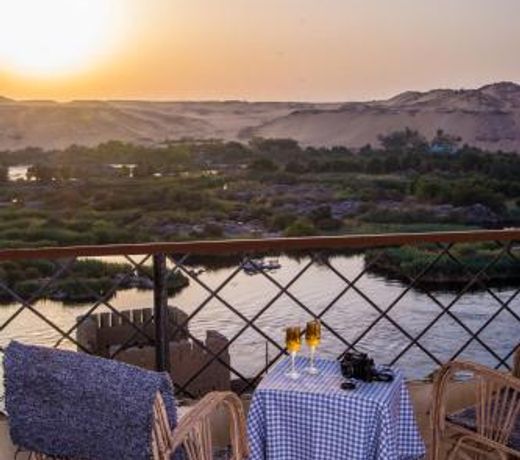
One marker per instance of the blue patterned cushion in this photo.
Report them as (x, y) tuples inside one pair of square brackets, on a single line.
[(75, 405)]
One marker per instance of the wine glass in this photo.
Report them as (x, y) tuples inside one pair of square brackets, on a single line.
[(293, 343), (313, 337)]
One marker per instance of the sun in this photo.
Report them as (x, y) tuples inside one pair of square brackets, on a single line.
[(54, 37)]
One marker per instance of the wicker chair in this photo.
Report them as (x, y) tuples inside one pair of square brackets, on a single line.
[(193, 433), (516, 363), (490, 428)]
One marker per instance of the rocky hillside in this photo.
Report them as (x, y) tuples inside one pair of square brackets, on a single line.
[(488, 117)]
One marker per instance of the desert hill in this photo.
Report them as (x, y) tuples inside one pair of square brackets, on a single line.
[(488, 117), (49, 124)]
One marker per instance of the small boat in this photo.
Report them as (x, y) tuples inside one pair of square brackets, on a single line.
[(254, 266), (196, 272)]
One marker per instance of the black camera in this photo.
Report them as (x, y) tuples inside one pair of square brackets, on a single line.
[(356, 365)]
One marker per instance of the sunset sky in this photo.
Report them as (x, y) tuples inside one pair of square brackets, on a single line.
[(326, 50)]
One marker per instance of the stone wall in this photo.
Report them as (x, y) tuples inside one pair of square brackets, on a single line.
[(186, 358), (108, 334), (98, 332)]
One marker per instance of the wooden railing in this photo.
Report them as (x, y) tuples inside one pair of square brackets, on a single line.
[(262, 245)]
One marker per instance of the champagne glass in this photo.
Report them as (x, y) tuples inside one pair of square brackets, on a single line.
[(313, 337), (293, 343)]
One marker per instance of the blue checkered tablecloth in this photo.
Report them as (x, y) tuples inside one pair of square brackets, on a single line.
[(312, 418)]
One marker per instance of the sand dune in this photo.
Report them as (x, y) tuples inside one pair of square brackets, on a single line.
[(48, 124), (488, 117)]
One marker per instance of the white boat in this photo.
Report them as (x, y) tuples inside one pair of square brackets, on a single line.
[(254, 266)]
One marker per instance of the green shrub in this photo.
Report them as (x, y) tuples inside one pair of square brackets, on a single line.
[(300, 227)]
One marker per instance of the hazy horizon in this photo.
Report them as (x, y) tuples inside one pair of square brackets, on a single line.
[(252, 101), (277, 50)]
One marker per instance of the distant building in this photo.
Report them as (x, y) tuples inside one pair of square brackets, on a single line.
[(444, 144), (443, 148)]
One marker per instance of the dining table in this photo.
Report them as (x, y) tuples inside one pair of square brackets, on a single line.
[(314, 418)]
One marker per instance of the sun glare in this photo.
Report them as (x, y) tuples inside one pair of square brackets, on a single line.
[(54, 37)]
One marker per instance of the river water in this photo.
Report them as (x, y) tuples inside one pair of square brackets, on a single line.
[(350, 316)]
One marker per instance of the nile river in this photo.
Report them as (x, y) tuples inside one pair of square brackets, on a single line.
[(316, 288)]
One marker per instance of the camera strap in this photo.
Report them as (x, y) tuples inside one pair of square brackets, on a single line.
[(383, 376)]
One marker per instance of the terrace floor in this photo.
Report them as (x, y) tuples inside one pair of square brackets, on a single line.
[(420, 393)]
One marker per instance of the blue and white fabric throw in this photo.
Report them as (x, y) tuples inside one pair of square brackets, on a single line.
[(69, 404), (312, 418)]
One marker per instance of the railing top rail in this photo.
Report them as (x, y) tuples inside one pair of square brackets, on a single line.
[(262, 245)]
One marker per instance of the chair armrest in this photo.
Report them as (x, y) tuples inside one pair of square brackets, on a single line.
[(194, 434), (516, 362)]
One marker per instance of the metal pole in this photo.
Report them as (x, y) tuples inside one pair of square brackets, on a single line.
[(267, 356), (160, 312)]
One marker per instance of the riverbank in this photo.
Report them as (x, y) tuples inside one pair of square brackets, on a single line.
[(82, 281), (453, 271)]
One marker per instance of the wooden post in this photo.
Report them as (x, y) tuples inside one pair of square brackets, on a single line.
[(160, 312)]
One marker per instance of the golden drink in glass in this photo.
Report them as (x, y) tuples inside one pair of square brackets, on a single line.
[(313, 337), (293, 343)]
